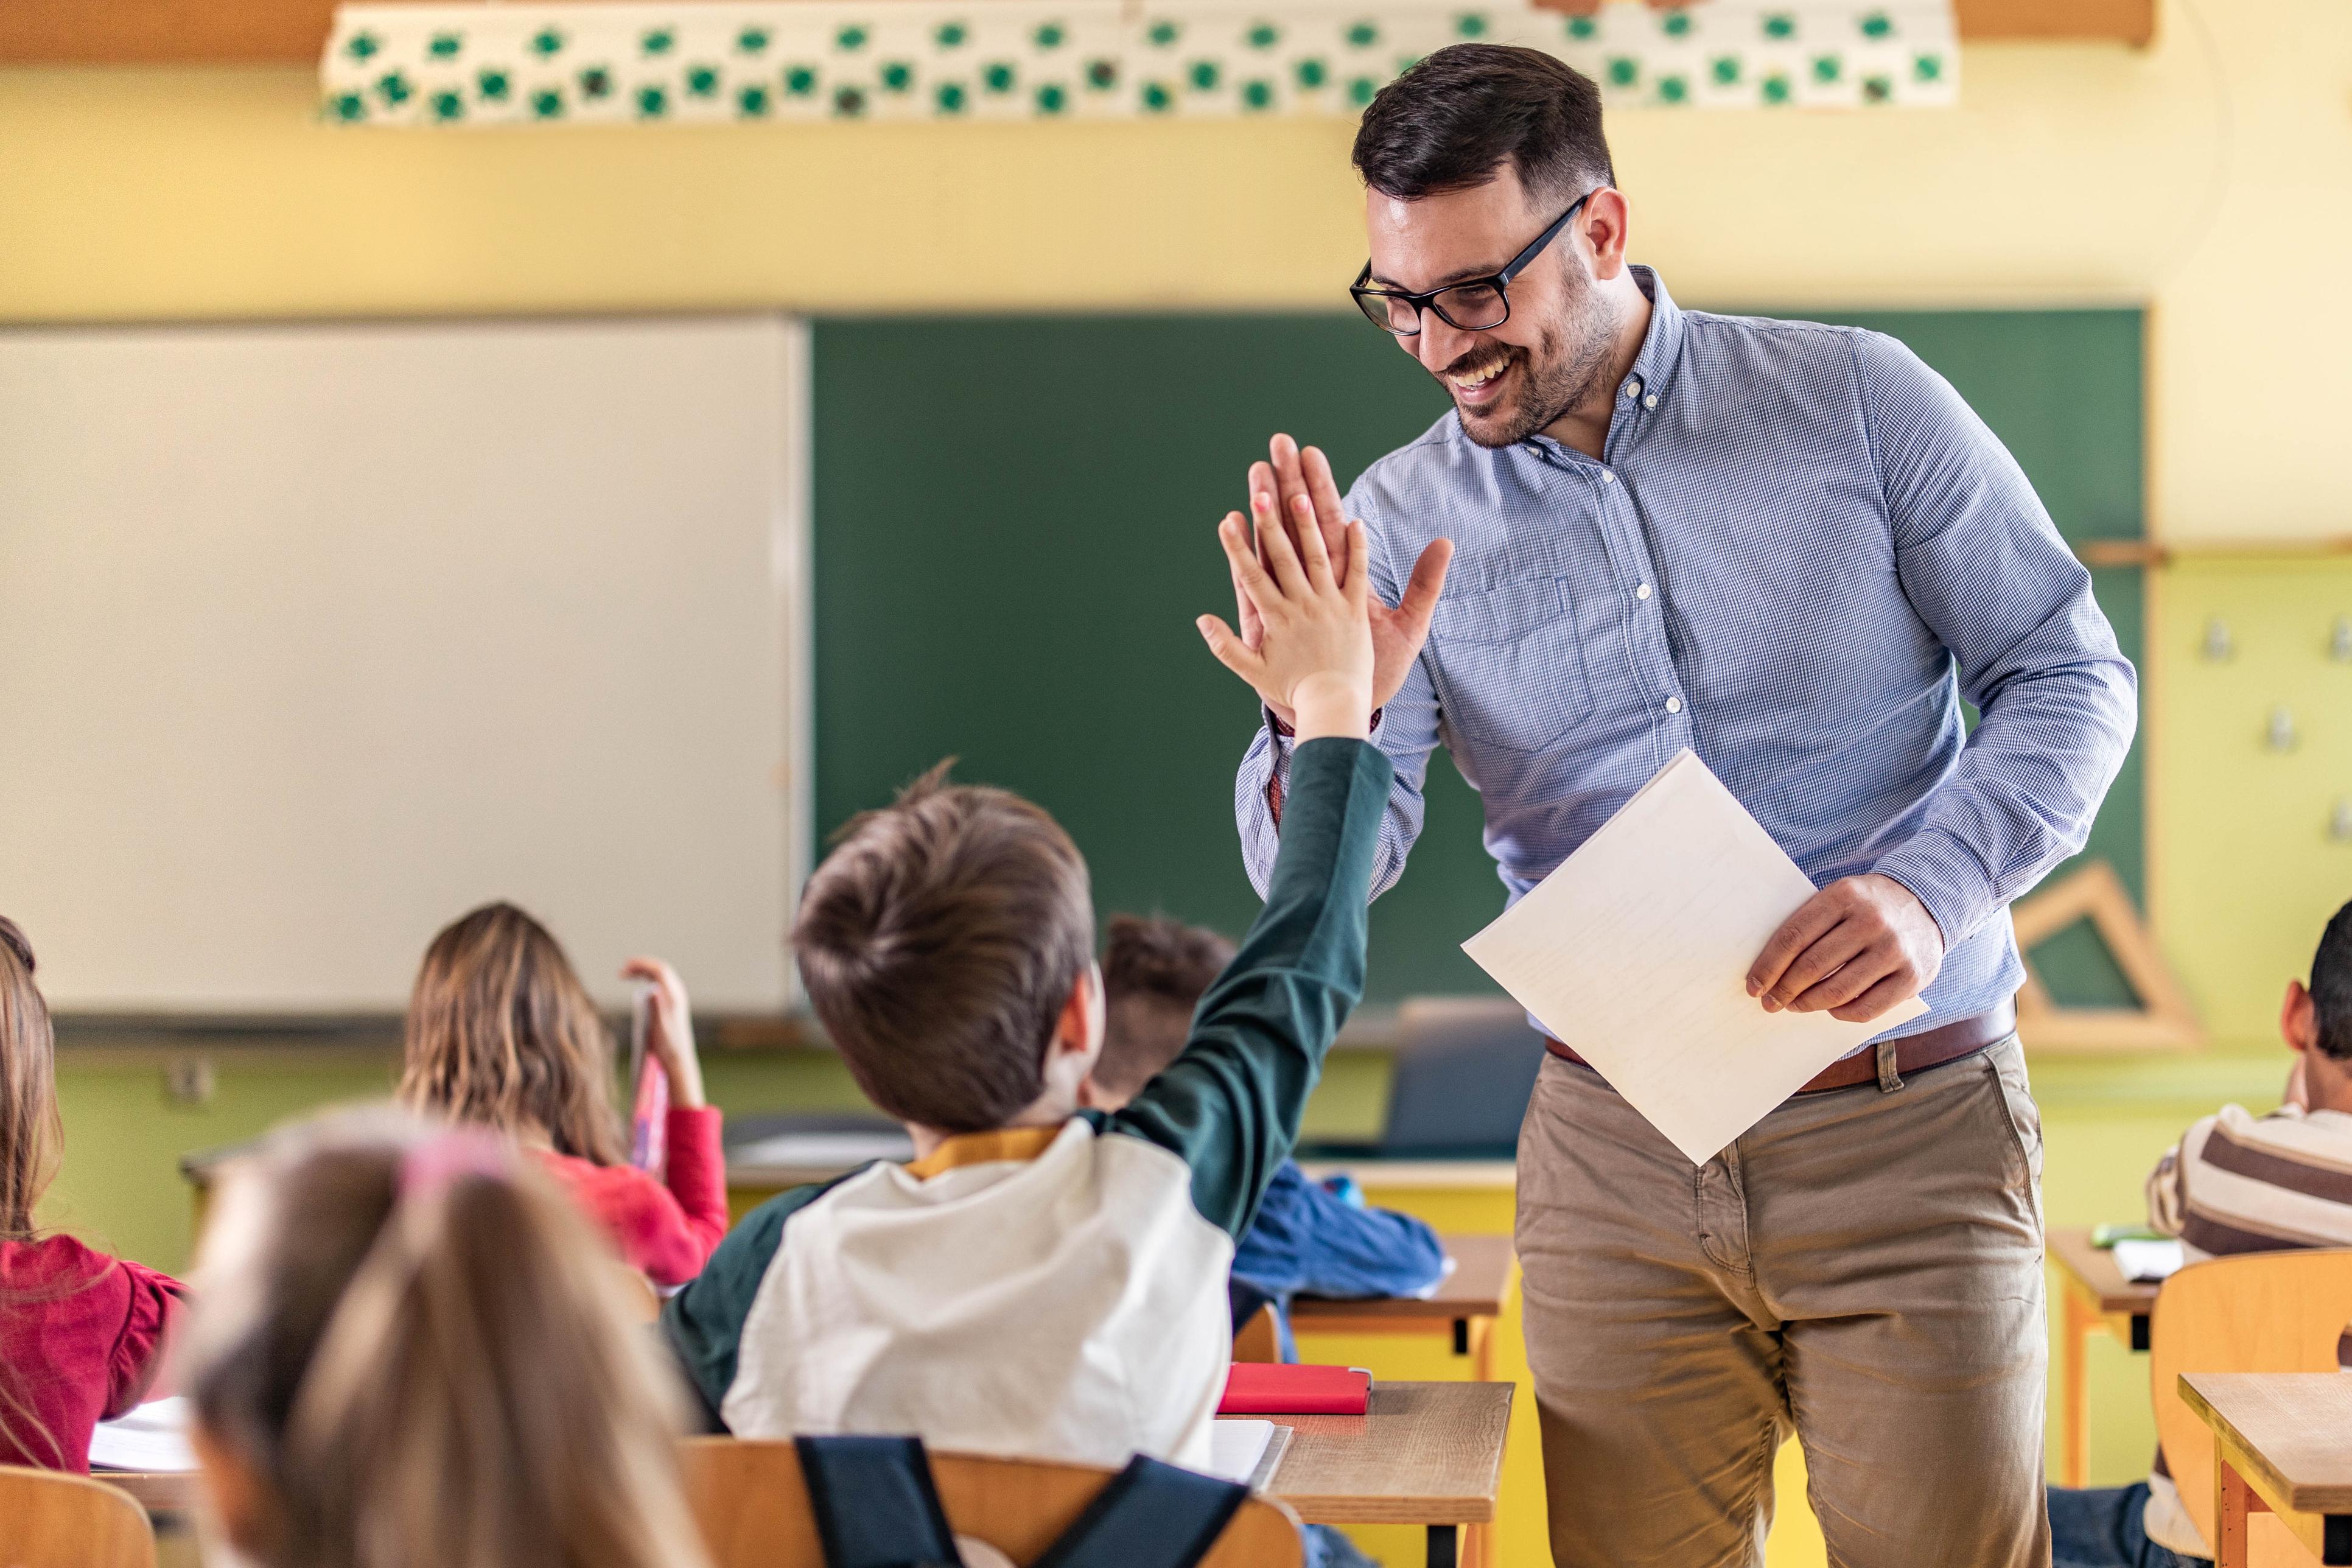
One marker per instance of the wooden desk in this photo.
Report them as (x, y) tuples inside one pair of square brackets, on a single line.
[(1426, 1453), (2097, 1294), (1465, 1304), (161, 1492), (2282, 1443)]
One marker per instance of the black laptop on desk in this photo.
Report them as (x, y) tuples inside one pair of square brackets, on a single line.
[(1465, 1068)]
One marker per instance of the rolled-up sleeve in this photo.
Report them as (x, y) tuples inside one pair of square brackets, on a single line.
[(1986, 570)]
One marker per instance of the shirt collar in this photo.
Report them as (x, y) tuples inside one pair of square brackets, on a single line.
[(1661, 345), (1005, 1143)]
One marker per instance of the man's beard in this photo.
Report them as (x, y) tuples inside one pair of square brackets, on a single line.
[(1571, 358)]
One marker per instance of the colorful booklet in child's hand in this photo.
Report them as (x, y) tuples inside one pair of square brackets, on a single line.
[(1275, 1388)]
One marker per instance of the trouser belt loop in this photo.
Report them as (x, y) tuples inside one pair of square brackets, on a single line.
[(1889, 1080)]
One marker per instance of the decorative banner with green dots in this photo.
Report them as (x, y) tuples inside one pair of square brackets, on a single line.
[(609, 63)]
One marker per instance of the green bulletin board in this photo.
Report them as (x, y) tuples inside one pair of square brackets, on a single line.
[(1013, 533)]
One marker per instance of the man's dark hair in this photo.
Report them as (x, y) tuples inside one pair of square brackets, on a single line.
[(1154, 972), (2331, 986), (939, 943), (1455, 119)]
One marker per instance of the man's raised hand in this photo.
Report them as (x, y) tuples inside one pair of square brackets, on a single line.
[(1314, 652), (1297, 488)]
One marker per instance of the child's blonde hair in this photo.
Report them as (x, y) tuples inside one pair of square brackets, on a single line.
[(29, 1130), (502, 1034), (425, 1357)]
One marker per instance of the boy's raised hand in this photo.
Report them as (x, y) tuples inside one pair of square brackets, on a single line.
[(1314, 652)]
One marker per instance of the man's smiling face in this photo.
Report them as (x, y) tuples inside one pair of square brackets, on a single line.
[(1507, 382)]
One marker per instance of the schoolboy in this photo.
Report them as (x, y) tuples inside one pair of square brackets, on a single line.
[(1043, 1281), (2238, 1183), (1307, 1240)]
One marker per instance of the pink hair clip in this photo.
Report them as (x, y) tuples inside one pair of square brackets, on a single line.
[(438, 1163)]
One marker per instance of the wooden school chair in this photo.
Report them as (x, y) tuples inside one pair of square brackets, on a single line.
[(753, 1507), (54, 1519), (2259, 1312), (1257, 1340)]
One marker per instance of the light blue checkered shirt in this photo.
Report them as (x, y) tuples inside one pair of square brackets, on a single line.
[(1799, 551)]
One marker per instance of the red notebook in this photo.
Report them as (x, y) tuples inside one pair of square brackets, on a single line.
[(1273, 1388)]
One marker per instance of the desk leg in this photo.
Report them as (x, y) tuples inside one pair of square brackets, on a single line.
[(2233, 1500), (1443, 1544), (1482, 1349), (2074, 1463)]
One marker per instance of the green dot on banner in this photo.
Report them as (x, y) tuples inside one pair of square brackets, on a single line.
[(493, 84), (1623, 70), (1828, 67), (547, 41), (1363, 36), (1470, 25), (349, 106), (848, 103), (393, 87), (1257, 94), (1675, 24), (1102, 74), (898, 76), (752, 100), (547, 104), (362, 45), (950, 97), (445, 46), (653, 102), (1928, 67), (1312, 74), (1048, 36), (751, 40), (1877, 90), (1051, 99), (1164, 33), (1157, 98), (1582, 28), (1674, 89), (1877, 25), (800, 80), (448, 105), (702, 82), (850, 38), (1779, 24), (950, 36), (1776, 89), (658, 41), (1726, 69), (1263, 35), (1203, 76), (596, 83), (998, 77), (1362, 90)]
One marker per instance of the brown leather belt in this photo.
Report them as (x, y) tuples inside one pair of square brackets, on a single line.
[(1913, 1053)]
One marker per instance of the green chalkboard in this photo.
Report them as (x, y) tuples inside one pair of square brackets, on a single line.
[(1014, 532)]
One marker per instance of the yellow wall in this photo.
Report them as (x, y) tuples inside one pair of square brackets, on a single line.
[(2208, 177)]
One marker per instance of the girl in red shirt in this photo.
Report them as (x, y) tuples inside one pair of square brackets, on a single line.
[(502, 1034), (81, 1333)]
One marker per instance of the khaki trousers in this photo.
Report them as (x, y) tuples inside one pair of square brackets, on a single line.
[(1865, 1265)]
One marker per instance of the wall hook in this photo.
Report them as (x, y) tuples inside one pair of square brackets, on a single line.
[(2339, 826), (2217, 647), (2339, 644), (2280, 735)]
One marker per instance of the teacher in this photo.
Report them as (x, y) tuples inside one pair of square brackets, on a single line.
[(1793, 549)]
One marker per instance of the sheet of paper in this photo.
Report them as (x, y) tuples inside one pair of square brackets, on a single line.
[(149, 1439), (821, 1149), (1235, 1446), (2147, 1262), (1634, 954)]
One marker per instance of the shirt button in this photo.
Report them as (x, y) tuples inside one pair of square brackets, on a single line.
[(1650, 401), (1673, 704), (1634, 387), (1607, 477), (1642, 591)]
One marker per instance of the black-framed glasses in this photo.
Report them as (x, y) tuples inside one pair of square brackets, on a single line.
[(1472, 305)]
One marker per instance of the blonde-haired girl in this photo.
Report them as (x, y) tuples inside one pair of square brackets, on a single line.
[(411, 1352), (502, 1035)]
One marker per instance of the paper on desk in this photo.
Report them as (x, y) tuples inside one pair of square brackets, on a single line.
[(2147, 1262), (1634, 954), (1236, 1446), (149, 1439)]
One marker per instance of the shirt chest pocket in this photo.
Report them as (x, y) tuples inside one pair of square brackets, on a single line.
[(1510, 667)]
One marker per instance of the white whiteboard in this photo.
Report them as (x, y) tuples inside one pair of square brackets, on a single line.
[(312, 637)]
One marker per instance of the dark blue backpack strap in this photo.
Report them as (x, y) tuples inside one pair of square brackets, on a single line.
[(874, 1503), (1150, 1516)]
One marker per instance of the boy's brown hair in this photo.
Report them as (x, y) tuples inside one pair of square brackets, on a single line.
[(938, 945), (1154, 972)]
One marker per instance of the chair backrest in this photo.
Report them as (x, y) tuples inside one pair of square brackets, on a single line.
[(1258, 1339), (2257, 1312), (753, 1507), (60, 1521)]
